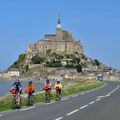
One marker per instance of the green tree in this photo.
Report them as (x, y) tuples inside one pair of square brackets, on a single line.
[(79, 68), (84, 57), (54, 64), (21, 59), (26, 68), (76, 60), (97, 62), (19, 62), (70, 65), (49, 52), (70, 56), (38, 59)]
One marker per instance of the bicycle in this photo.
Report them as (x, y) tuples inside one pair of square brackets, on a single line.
[(30, 100), (58, 96), (47, 94), (16, 101)]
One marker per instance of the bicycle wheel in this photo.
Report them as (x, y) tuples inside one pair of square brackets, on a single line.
[(46, 97), (18, 101), (47, 94), (13, 103), (58, 97), (31, 101)]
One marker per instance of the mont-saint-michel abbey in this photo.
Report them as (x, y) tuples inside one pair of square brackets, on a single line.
[(61, 42)]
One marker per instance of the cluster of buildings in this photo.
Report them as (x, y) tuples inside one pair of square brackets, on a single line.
[(10, 74), (60, 42)]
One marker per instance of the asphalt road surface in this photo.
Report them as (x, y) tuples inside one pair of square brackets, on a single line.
[(99, 104)]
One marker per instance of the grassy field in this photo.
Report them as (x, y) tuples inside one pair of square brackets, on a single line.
[(69, 87)]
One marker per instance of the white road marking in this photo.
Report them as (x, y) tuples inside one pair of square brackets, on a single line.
[(72, 112), (75, 96), (28, 108), (92, 102), (83, 107), (65, 98), (1, 115), (98, 99), (109, 93), (88, 92), (114, 89), (82, 93), (50, 103), (59, 118), (104, 96)]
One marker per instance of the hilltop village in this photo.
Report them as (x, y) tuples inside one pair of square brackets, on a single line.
[(61, 42)]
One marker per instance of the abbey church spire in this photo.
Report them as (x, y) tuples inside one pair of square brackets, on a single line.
[(59, 22), (59, 19), (59, 29)]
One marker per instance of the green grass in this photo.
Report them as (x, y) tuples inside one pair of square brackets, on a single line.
[(69, 87)]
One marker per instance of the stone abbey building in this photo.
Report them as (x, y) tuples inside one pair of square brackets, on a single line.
[(61, 42)]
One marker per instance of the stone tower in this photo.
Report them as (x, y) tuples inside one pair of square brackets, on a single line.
[(59, 30)]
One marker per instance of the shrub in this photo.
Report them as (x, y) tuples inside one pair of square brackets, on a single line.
[(54, 64), (97, 62), (19, 62), (38, 59), (79, 68)]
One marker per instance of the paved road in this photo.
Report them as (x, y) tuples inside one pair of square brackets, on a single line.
[(100, 104)]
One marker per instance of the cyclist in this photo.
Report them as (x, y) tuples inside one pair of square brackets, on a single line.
[(47, 88), (16, 90), (58, 88), (16, 87), (30, 90)]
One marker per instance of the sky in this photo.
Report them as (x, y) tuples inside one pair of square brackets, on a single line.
[(96, 23)]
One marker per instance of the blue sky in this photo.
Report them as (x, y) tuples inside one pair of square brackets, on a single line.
[(95, 22)]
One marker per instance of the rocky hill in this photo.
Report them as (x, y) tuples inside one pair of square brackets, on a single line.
[(43, 66)]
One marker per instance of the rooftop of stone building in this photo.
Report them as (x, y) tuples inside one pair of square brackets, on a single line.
[(40, 40), (52, 35), (64, 31)]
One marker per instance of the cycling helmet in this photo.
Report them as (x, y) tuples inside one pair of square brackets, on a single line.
[(17, 81), (47, 80), (30, 81)]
